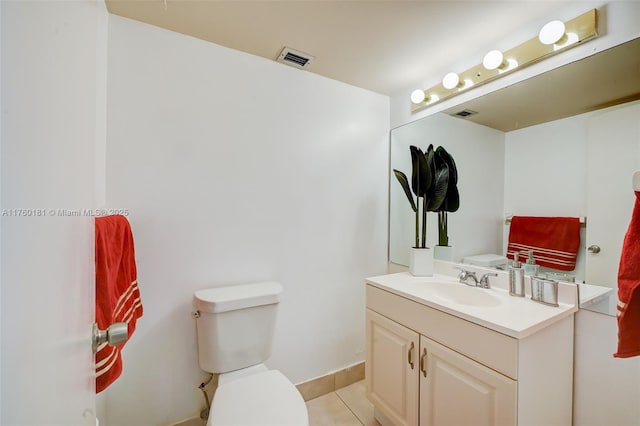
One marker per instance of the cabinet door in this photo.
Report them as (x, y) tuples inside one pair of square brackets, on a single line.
[(392, 369), (457, 391)]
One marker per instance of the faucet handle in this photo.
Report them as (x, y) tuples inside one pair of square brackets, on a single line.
[(484, 281), (464, 273)]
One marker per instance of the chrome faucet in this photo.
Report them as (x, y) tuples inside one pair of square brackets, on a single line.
[(464, 275), (484, 281)]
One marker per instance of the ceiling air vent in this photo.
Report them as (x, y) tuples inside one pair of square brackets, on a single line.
[(295, 58), (464, 113)]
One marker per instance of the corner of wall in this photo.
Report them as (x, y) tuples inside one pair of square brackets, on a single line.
[(1, 221), (102, 40)]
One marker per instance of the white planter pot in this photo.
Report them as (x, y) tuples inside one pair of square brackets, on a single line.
[(421, 262), (443, 253)]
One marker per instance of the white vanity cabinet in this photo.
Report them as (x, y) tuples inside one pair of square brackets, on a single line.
[(392, 369), (415, 380), (456, 390), (427, 367)]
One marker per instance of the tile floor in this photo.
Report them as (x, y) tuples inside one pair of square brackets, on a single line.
[(347, 406)]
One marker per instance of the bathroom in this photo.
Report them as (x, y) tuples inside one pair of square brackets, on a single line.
[(295, 165)]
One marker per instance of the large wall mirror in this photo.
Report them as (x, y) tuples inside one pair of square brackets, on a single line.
[(563, 143)]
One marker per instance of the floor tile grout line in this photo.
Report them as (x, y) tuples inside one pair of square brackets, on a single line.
[(349, 408)]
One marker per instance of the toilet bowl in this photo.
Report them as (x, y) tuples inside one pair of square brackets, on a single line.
[(263, 398), (235, 326)]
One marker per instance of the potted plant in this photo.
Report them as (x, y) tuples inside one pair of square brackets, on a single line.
[(451, 203), (429, 183)]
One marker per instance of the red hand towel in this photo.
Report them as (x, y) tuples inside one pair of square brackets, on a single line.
[(629, 289), (554, 240), (117, 294)]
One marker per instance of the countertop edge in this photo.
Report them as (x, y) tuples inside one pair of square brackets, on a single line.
[(563, 310)]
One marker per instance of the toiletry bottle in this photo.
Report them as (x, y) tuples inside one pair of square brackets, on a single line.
[(530, 268), (516, 278)]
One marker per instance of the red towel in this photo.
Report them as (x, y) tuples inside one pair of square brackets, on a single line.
[(629, 289), (117, 294), (555, 241)]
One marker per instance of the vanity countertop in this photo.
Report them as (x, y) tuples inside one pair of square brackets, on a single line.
[(599, 299), (592, 294), (517, 317)]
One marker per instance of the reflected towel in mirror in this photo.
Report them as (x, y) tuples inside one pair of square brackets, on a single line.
[(555, 241)]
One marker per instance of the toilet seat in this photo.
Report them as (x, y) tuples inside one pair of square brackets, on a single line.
[(263, 399)]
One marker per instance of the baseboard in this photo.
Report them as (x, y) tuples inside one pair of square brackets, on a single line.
[(328, 383), (381, 418)]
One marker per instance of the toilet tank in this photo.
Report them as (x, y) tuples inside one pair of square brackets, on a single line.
[(235, 325)]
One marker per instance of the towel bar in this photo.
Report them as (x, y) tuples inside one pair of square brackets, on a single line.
[(583, 220)]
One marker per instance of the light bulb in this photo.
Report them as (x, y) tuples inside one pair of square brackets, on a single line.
[(493, 60), (450, 80), (417, 96), (552, 32)]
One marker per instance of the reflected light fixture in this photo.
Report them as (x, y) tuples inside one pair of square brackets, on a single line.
[(451, 80), (494, 60), (552, 32), (566, 40), (553, 38), (417, 96)]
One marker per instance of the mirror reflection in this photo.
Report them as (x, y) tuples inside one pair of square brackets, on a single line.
[(564, 143)]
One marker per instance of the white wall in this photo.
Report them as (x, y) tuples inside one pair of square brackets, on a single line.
[(479, 155), (237, 169), (545, 168), (50, 85)]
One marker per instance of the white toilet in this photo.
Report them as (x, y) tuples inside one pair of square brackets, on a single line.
[(235, 328)]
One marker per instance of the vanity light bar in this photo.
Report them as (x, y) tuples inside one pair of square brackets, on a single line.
[(577, 30)]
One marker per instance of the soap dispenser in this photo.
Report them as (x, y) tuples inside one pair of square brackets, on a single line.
[(530, 268), (516, 277)]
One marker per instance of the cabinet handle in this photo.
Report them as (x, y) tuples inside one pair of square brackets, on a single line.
[(410, 355), (423, 366)]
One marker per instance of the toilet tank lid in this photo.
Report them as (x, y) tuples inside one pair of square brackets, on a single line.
[(231, 298)]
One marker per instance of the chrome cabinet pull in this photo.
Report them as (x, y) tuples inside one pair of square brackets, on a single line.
[(410, 355), (423, 366), (593, 249)]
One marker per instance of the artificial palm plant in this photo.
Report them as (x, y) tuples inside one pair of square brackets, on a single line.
[(429, 186), (451, 202)]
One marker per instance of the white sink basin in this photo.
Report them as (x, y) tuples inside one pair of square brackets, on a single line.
[(465, 295), (493, 308)]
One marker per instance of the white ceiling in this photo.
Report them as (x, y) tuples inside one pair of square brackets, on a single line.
[(383, 46)]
